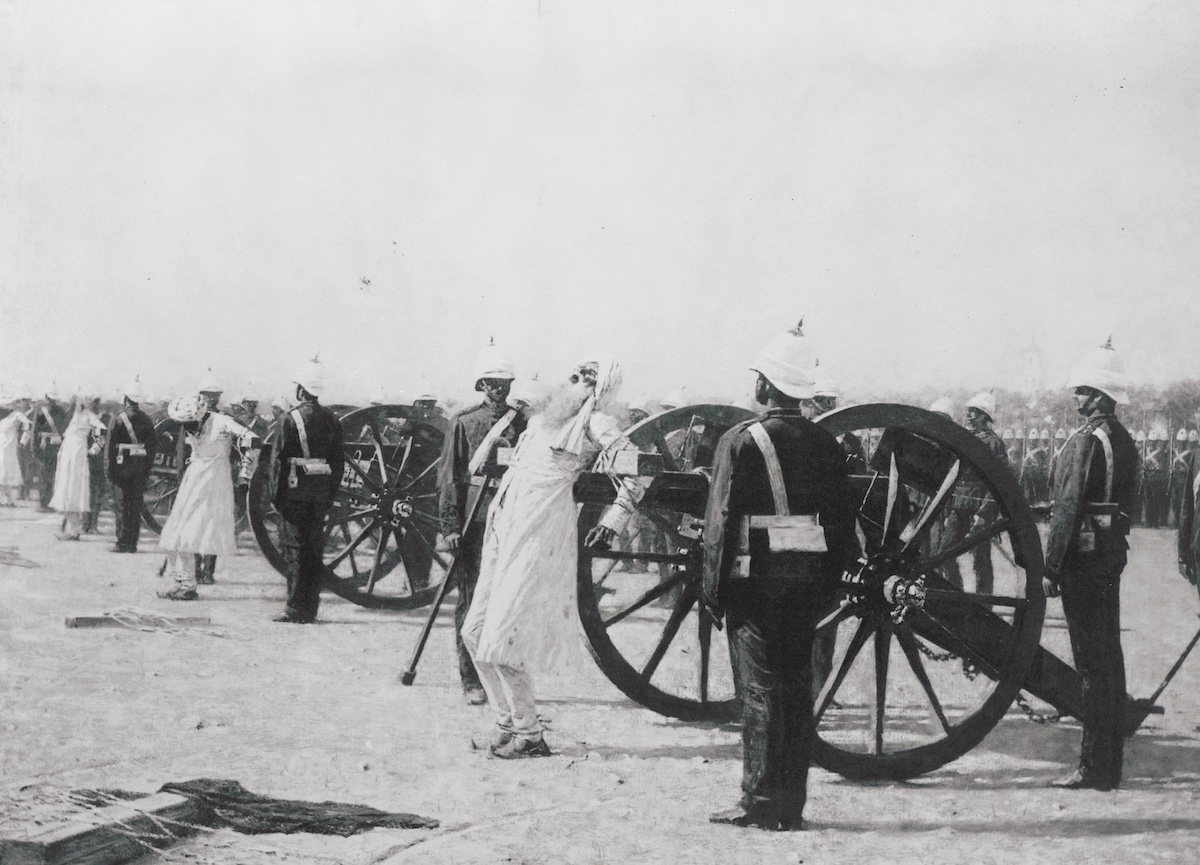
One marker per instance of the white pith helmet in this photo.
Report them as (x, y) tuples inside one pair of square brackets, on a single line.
[(493, 363), (311, 376), (1032, 435), (787, 362), (1007, 434), (942, 405), (523, 393), (1140, 437), (1060, 434), (1102, 369), (282, 403), (638, 403), (1193, 436), (1181, 436), (209, 383), (133, 391), (1155, 435), (984, 402), (1045, 435)]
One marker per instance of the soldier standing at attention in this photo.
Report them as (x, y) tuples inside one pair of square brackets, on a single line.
[(783, 466), (48, 426), (1085, 554), (1189, 523), (468, 461), (129, 458), (309, 465), (1154, 479), (96, 476), (1178, 477)]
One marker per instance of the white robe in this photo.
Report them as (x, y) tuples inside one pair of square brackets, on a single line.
[(202, 518), (10, 449), (523, 613), (72, 477)]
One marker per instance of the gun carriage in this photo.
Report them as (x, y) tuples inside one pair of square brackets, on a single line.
[(891, 707)]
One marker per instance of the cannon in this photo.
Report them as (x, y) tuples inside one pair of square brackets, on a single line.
[(926, 664)]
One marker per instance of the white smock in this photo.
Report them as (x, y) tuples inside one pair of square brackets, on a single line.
[(202, 518), (523, 614), (10, 449), (72, 477)]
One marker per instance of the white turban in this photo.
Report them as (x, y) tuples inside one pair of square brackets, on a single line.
[(608, 383)]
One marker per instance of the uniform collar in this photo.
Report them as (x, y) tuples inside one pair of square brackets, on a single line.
[(783, 412)]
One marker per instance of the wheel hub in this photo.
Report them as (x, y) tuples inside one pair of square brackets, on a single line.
[(878, 589), (395, 509)]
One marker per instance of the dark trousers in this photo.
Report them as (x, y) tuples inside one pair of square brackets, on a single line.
[(1156, 505), (47, 466), (955, 529), (1091, 599), (99, 489), (466, 574), (302, 542), (771, 627), (129, 514), (206, 566)]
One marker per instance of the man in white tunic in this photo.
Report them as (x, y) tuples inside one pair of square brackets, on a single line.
[(523, 616), (72, 476), (14, 432), (202, 520)]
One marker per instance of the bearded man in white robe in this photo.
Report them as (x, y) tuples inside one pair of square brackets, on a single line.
[(523, 616)]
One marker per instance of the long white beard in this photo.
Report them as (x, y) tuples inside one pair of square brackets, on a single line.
[(563, 404)]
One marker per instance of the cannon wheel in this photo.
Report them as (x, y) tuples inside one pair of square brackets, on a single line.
[(382, 527), (163, 483), (650, 665), (876, 719)]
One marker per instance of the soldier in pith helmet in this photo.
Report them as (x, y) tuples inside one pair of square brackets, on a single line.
[(129, 456), (1086, 552), (468, 463)]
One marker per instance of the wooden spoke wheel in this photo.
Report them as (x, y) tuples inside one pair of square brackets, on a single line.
[(937, 633), (639, 602), (163, 483), (382, 527)]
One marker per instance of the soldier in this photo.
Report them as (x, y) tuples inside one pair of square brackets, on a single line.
[(1010, 446), (211, 390), (780, 465), (99, 483), (48, 426), (1139, 502), (468, 463), (637, 410), (1034, 469), (1154, 478), (971, 504), (1189, 523), (248, 416), (129, 458), (280, 406), (1086, 552), (309, 462), (1177, 478), (943, 406)]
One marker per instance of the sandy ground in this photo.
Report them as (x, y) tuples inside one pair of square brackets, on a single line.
[(317, 713)]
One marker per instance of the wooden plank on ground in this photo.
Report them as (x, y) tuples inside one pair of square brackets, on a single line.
[(107, 836), (117, 622)]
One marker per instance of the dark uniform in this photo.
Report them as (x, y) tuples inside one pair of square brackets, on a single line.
[(1189, 524), (971, 499), (48, 425), (96, 475), (1035, 472), (309, 468), (1154, 484), (772, 613), (468, 429), (1177, 483), (1094, 488), (129, 458)]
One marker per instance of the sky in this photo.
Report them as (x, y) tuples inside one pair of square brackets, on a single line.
[(391, 184)]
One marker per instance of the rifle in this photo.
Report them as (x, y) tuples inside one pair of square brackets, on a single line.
[(410, 673)]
